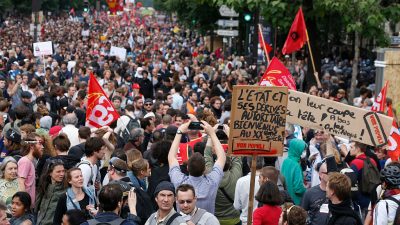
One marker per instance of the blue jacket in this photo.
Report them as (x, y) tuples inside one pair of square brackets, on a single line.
[(105, 217), (292, 171)]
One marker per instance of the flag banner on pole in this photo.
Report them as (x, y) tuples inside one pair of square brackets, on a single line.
[(100, 112), (394, 138), (380, 100), (297, 36), (264, 45), (277, 75)]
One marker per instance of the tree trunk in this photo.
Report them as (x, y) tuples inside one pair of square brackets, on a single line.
[(355, 66)]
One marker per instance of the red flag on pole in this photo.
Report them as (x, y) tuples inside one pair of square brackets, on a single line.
[(297, 36), (264, 45), (277, 75), (394, 138), (100, 112), (380, 100)]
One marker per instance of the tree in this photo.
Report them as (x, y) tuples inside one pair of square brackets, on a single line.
[(362, 18), (199, 14)]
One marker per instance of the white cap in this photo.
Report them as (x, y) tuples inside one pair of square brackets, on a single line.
[(150, 114)]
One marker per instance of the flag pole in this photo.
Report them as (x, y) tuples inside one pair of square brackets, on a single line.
[(312, 61), (263, 43)]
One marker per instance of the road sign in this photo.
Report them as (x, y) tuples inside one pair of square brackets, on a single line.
[(228, 12), (394, 40), (228, 23), (231, 33)]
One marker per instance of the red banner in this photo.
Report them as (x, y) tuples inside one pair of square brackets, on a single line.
[(380, 100), (394, 139), (100, 112), (277, 75), (297, 36)]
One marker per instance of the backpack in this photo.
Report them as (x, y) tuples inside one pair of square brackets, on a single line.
[(172, 218), (91, 170), (126, 133), (118, 221), (397, 217), (370, 177)]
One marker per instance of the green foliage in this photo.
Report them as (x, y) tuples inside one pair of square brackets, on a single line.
[(198, 14)]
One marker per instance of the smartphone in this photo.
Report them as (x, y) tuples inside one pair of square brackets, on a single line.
[(220, 127), (186, 117), (195, 126)]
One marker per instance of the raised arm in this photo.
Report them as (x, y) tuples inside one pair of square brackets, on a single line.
[(219, 151), (172, 160)]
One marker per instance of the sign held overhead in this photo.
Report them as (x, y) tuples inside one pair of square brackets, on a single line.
[(338, 119), (258, 120)]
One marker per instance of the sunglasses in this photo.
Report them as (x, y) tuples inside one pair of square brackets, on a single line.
[(181, 202), (148, 104)]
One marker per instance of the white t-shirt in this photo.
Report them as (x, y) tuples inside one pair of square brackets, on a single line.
[(87, 172), (385, 211)]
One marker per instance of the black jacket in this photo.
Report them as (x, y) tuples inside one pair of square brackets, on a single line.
[(343, 213)]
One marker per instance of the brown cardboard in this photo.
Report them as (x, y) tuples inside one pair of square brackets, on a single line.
[(258, 118), (338, 119)]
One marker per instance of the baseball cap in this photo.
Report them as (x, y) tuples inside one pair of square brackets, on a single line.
[(118, 164), (13, 135), (135, 86)]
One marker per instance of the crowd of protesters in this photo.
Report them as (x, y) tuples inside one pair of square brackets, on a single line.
[(148, 167)]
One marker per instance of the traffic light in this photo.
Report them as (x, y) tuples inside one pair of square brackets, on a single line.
[(86, 6), (247, 17)]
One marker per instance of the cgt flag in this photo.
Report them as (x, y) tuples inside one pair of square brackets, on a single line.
[(394, 139), (297, 36), (380, 100), (100, 112), (277, 75)]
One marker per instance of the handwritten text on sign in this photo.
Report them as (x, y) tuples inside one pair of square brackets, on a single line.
[(338, 118), (258, 120)]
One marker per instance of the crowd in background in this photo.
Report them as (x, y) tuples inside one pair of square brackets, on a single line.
[(148, 165)]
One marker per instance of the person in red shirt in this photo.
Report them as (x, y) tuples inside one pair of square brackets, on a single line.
[(270, 212)]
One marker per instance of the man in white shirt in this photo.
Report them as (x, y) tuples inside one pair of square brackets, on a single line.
[(94, 151), (242, 190), (70, 121), (177, 99)]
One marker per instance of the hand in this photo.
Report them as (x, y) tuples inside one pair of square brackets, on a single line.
[(132, 200), (184, 127), (189, 223), (192, 118), (207, 128), (226, 129)]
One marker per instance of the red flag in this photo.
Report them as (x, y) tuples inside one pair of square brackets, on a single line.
[(100, 112), (72, 11), (394, 139), (380, 100), (277, 75), (297, 36), (264, 45)]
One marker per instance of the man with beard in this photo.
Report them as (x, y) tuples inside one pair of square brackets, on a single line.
[(32, 148)]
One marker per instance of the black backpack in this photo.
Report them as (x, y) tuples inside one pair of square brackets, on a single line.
[(126, 133), (118, 221), (370, 177)]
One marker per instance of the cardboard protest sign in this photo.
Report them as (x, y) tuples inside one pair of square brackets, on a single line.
[(258, 118), (338, 119), (119, 52), (43, 48)]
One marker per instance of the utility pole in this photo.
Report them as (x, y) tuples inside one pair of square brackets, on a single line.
[(36, 5)]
